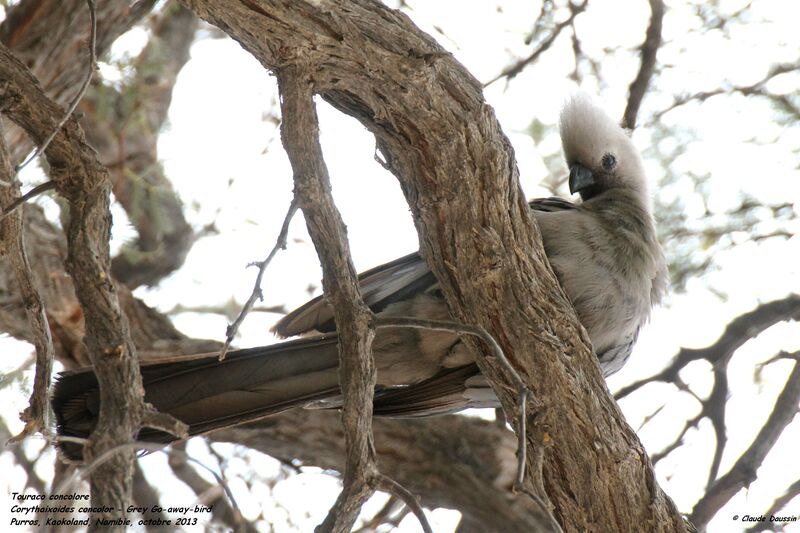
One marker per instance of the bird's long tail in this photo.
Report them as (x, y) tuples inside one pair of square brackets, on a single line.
[(209, 394)]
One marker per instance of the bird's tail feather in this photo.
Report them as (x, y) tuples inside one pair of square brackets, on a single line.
[(208, 394)]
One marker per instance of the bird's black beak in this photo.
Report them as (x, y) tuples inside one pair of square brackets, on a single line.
[(580, 178)]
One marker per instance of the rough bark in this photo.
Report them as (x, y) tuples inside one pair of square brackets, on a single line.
[(83, 182), (48, 36), (300, 135), (385, 84), (12, 245), (457, 171)]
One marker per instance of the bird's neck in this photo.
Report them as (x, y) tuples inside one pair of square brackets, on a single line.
[(625, 211)]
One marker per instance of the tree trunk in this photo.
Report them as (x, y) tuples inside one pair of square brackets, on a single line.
[(457, 171)]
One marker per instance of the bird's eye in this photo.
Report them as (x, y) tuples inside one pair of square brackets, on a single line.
[(609, 161)]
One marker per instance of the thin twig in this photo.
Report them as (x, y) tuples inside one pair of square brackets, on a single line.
[(387, 484), (389, 514), (756, 88), (513, 70), (39, 189), (497, 351), (32, 479), (69, 481), (280, 244), (207, 493), (678, 441), (225, 309), (78, 97), (783, 355), (791, 492)]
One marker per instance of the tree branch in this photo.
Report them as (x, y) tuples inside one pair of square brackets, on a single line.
[(221, 509), (497, 352), (146, 496), (737, 332), (429, 457), (458, 174), (12, 237), (81, 89), (791, 493), (256, 293), (714, 407), (457, 462), (756, 88), (300, 136), (123, 124), (649, 50), (513, 70), (517, 67), (45, 34), (743, 472), (11, 205), (84, 183), (467, 453)]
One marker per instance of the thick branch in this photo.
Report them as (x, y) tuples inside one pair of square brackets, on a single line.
[(84, 183), (429, 457), (457, 171)]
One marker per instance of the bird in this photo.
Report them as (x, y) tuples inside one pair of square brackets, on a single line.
[(603, 249)]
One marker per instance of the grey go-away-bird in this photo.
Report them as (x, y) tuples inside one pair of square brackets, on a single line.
[(603, 250)]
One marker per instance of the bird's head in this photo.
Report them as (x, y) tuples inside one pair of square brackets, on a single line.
[(598, 152)]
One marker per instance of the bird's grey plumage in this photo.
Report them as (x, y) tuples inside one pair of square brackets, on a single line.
[(603, 250)]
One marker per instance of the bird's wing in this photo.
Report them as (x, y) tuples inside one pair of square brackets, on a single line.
[(385, 284), (551, 204)]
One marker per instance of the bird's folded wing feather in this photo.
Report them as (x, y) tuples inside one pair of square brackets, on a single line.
[(380, 286), (551, 204), (385, 284)]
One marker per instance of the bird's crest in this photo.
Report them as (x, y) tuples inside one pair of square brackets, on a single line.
[(590, 138)]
